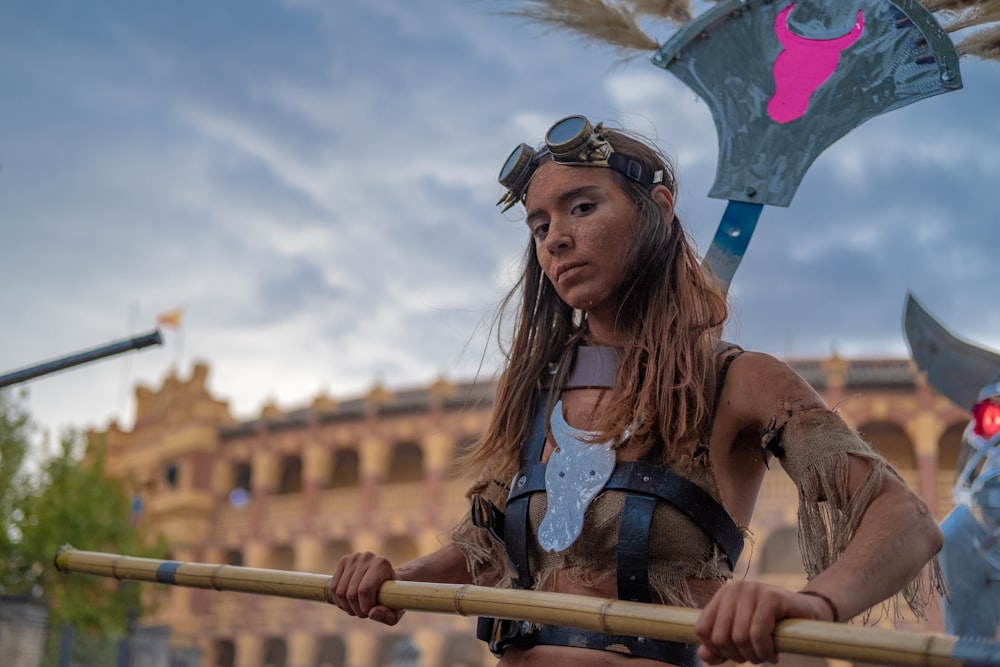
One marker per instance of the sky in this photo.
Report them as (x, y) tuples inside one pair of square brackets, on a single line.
[(313, 184)]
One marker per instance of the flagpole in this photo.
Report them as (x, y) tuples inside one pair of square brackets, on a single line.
[(179, 350), (173, 319)]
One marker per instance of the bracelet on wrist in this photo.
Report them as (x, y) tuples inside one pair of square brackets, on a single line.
[(828, 601)]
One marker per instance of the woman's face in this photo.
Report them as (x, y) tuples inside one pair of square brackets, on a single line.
[(582, 225)]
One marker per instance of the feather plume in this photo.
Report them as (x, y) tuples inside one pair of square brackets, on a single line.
[(615, 22), (985, 12), (601, 20), (949, 5), (984, 44), (678, 11)]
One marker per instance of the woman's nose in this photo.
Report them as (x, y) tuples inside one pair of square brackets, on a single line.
[(558, 237)]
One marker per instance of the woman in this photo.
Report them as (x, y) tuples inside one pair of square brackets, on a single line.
[(628, 442)]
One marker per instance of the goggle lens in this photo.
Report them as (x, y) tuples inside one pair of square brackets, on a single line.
[(513, 164), (986, 417), (568, 136), (572, 140), (515, 174)]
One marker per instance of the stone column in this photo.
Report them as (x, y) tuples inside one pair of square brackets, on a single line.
[(308, 552), (437, 454), (315, 471), (373, 453), (301, 649), (265, 476), (249, 650), (255, 554), (362, 649), (925, 430), (835, 369), (22, 631)]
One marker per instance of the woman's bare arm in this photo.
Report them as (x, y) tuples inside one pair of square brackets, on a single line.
[(894, 538)]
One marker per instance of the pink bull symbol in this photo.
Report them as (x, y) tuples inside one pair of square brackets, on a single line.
[(803, 66)]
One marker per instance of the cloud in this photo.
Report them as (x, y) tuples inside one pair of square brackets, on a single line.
[(314, 184)]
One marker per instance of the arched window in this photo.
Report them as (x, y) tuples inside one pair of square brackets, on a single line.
[(344, 469), (332, 652), (393, 649), (224, 653), (891, 441), (242, 476), (290, 480), (406, 463), (275, 652), (172, 475), (282, 558), (400, 548)]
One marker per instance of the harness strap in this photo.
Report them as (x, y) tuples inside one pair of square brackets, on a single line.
[(657, 482), (689, 498), (720, 383), (516, 528), (645, 484), (593, 366), (501, 634), (634, 532)]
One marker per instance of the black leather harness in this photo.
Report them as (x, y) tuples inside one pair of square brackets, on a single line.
[(645, 485)]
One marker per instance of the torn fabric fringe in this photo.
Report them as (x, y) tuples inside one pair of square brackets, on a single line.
[(818, 446)]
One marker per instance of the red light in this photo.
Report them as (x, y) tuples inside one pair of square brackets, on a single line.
[(987, 418)]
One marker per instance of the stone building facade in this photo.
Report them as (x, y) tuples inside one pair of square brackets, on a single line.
[(22, 631), (297, 489)]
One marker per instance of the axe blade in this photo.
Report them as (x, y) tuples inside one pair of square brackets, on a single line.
[(955, 368)]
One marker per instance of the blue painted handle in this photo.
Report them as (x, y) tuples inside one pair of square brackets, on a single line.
[(731, 240)]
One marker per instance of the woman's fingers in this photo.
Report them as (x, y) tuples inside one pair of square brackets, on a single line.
[(739, 621), (385, 615), (356, 582)]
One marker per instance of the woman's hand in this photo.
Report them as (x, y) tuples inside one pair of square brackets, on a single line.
[(738, 622), (355, 587)]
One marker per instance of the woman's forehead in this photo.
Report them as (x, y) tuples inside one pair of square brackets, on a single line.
[(552, 180)]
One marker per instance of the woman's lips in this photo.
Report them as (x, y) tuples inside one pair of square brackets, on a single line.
[(565, 269)]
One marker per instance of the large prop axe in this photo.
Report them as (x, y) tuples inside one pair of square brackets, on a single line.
[(784, 80)]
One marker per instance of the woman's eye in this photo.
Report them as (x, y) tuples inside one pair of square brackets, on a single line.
[(583, 208), (540, 231)]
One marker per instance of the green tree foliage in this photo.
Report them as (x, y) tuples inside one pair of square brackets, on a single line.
[(64, 498), (15, 437)]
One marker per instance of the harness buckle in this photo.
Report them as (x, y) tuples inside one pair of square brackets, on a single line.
[(485, 514), (499, 633)]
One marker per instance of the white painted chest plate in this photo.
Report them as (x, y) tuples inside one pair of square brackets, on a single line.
[(576, 472)]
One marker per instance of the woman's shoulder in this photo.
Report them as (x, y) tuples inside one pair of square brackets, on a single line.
[(759, 385)]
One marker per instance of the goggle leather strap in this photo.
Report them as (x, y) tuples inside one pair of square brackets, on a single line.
[(633, 170)]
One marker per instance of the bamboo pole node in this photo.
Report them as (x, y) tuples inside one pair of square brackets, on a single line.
[(459, 598), (839, 641)]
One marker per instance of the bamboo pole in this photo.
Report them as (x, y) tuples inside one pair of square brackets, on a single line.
[(804, 637)]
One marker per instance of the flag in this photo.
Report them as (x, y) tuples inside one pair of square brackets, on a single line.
[(170, 318)]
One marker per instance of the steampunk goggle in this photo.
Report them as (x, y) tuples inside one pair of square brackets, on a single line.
[(571, 141)]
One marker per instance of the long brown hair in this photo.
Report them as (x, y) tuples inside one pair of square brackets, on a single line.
[(671, 316)]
